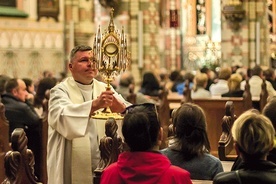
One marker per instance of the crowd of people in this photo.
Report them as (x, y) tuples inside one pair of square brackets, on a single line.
[(73, 136)]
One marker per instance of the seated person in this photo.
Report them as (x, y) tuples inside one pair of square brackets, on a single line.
[(181, 86), (234, 86), (199, 90), (190, 149), (143, 163), (30, 89), (255, 83), (21, 115), (270, 112), (253, 135), (125, 83), (150, 85), (269, 75), (221, 86)]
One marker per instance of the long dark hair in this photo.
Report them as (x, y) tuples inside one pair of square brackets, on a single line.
[(141, 127), (190, 131)]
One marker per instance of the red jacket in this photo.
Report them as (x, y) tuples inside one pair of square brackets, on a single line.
[(144, 168)]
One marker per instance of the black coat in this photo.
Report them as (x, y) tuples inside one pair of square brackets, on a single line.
[(257, 172), (19, 114), (22, 115)]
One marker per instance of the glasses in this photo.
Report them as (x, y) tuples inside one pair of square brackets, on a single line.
[(145, 107)]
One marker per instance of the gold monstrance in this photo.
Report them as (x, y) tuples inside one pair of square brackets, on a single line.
[(112, 57)]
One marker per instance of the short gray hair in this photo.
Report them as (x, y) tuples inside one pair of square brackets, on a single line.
[(79, 48)]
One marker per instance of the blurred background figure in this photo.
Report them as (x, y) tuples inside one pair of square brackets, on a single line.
[(30, 89), (150, 85), (181, 86), (269, 75), (234, 86), (3, 81), (44, 84), (127, 85), (207, 71), (199, 91), (221, 86)]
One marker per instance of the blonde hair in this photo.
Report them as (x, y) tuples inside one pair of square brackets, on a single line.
[(200, 80), (234, 82), (254, 134), (225, 73)]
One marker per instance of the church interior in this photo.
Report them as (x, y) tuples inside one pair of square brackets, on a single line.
[(36, 37), (177, 34)]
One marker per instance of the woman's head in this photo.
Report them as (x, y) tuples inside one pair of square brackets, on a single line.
[(150, 81), (253, 134), (190, 130), (234, 82), (141, 127), (44, 84), (201, 80)]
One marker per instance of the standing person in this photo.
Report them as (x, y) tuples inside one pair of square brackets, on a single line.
[(22, 115), (73, 149), (253, 136), (143, 163), (191, 148)]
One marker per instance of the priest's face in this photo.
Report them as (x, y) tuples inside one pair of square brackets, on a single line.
[(83, 67)]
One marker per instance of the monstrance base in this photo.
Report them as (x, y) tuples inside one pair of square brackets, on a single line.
[(106, 115)]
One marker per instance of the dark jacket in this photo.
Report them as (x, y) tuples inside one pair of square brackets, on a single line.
[(22, 115), (238, 164), (238, 93), (19, 114), (257, 172)]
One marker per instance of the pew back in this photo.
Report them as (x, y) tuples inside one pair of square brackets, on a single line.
[(4, 140)]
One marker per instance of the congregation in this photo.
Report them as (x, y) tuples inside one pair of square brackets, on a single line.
[(73, 139)]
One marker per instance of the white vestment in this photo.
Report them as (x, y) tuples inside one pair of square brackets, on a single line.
[(69, 120)]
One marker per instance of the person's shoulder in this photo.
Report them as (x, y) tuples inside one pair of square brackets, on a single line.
[(111, 169), (211, 157), (167, 151), (225, 177), (174, 168), (178, 174), (110, 174), (213, 161)]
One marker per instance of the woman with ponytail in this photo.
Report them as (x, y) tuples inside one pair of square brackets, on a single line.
[(190, 149)]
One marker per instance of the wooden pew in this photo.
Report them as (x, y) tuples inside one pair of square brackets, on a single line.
[(19, 163), (4, 140), (164, 113), (111, 145), (226, 148), (263, 96), (215, 110)]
